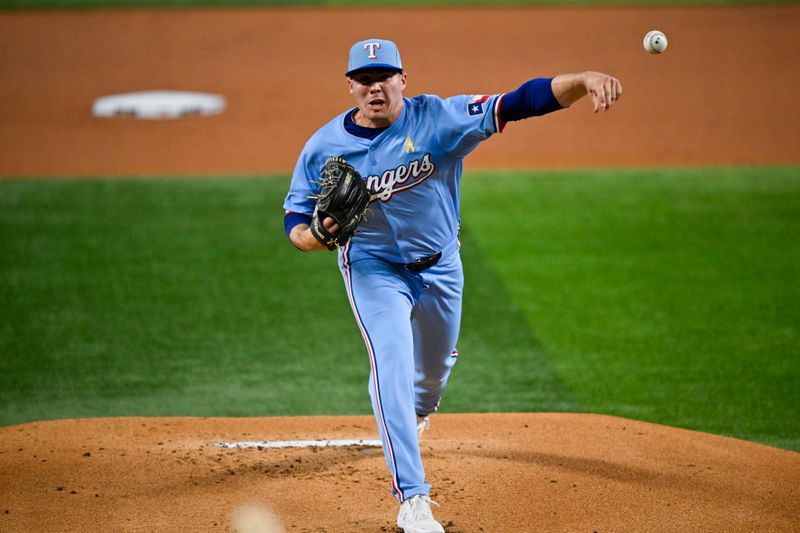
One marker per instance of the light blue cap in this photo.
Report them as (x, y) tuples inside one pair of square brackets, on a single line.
[(373, 53)]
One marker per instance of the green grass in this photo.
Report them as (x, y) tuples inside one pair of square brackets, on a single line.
[(167, 297), (59, 4), (667, 296), (183, 297)]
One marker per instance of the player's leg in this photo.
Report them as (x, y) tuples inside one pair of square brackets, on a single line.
[(382, 299), (435, 321)]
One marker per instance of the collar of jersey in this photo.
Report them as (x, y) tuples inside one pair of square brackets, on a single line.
[(400, 118), (364, 132)]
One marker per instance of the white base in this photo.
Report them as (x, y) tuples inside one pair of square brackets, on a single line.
[(297, 443), (158, 105)]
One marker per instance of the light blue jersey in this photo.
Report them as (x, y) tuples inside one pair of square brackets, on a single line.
[(409, 318), (413, 170)]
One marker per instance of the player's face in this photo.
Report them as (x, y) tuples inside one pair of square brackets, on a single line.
[(378, 95)]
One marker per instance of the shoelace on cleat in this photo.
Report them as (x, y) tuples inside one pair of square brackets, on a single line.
[(420, 507)]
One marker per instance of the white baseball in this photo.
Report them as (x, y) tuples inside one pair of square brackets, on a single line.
[(256, 519), (655, 42)]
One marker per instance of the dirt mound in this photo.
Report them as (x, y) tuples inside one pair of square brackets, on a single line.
[(490, 472)]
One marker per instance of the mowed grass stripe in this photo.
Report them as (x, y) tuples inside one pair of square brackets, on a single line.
[(663, 295), (167, 297), (502, 366), (183, 297), (667, 296)]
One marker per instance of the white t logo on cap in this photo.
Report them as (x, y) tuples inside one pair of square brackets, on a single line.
[(372, 47)]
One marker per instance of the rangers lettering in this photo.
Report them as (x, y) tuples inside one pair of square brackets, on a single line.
[(372, 47), (400, 174), (394, 180)]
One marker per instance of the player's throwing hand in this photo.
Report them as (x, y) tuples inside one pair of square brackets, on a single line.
[(603, 89)]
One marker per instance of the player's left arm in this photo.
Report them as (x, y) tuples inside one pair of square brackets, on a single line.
[(604, 89)]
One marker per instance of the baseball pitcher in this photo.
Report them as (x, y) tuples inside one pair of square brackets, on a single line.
[(380, 183)]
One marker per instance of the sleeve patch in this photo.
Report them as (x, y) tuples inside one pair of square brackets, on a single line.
[(477, 105)]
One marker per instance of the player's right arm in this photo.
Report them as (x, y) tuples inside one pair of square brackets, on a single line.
[(302, 239), (300, 202)]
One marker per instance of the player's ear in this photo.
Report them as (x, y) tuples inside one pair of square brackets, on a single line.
[(350, 85), (403, 80)]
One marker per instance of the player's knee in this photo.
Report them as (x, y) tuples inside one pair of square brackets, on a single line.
[(432, 384)]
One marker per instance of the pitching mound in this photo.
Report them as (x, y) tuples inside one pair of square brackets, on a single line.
[(490, 472)]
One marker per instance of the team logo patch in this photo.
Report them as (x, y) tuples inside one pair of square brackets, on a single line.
[(476, 106)]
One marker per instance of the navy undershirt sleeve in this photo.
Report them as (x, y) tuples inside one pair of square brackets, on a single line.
[(290, 220), (533, 98)]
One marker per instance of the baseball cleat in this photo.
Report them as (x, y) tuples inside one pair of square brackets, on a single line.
[(423, 425), (415, 516)]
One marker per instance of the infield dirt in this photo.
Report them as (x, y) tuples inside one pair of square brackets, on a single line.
[(723, 93), (490, 472)]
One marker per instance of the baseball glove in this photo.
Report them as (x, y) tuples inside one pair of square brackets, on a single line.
[(343, 196)]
